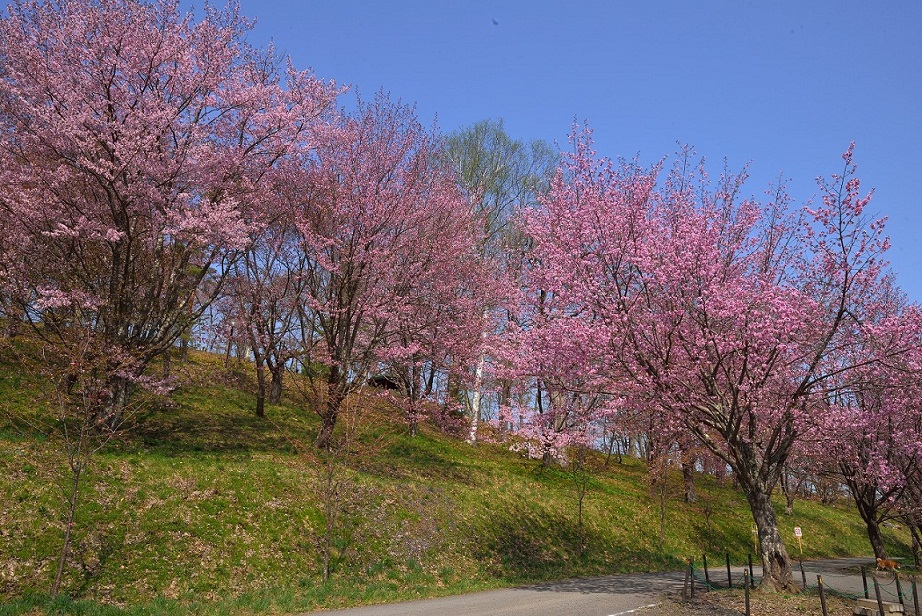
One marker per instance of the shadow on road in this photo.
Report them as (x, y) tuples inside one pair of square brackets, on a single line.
[(635, 583), (838, 565)]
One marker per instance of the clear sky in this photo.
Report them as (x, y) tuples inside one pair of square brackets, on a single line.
[(785, 85)]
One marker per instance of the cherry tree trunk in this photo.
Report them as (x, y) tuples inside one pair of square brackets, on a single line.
[(788, 499), (876, 538), (914, 530), (77, 469), (411, 385), (430, 381), (167, 363), (330, 409), (113, 412), (413, 421), (776, 564), (260, 386), (789, 491), (275, 387), (453, 390), (13, 319), (230, 346), (865, 498), (688, 479)]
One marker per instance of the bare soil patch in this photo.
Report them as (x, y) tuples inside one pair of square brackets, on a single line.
[(762, 603)]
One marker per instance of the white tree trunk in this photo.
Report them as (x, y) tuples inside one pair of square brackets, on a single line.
[(475, 399)]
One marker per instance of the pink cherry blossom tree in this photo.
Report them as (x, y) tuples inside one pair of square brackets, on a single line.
[(383, 234), (134, 144), (873, 429), (441, 332), (727, 316)]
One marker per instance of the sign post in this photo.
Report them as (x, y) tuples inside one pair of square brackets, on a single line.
[(799, 534)]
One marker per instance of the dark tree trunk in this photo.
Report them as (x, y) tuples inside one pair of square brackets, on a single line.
[(325, 436), (13, 322), (866, 500), (624, 447), (111, 414), (757, 472), (413, 420), (877, 540), (275, 387), (687, 463), (661, 489), (776, 564), (546, 457), (914, 530), (184, 347), (227, 351), (260, 394), (77, 470), (688, 480), (611, 449), (453, 394), (260, 386), (720, 473), (788, 493), (330, 410), (430, 381)]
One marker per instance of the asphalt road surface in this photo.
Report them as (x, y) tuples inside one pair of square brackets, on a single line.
[(844, 575), (613, 595), (602, 596)]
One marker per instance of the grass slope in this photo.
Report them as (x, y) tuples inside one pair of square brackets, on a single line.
[(203, 508)]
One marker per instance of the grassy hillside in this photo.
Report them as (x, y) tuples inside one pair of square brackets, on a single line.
[(203, 508)]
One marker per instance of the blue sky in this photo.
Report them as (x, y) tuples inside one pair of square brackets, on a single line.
[(783, 85)]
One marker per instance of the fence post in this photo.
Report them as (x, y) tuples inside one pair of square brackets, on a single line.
[(691, 586), (915, 596), (746, 581), (899, 588), (707, 578), (880, 602), (752, 578), (819, 582), (729, 577), (803, 574), (864, 580)]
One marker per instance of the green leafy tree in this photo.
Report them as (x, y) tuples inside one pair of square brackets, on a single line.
[(498, 174)]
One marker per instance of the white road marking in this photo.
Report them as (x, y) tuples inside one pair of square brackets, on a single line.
[(636, 609)]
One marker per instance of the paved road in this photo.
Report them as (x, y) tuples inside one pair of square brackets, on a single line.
[(844, 575), (601, 596), (616, 594)]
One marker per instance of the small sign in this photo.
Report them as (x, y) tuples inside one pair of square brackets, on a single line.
[(797, 532)]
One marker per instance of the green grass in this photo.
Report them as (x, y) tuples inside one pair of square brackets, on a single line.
[(203, 508)]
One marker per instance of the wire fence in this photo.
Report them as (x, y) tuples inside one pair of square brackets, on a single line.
[(897, 588), (714, 578), (889, 587)]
